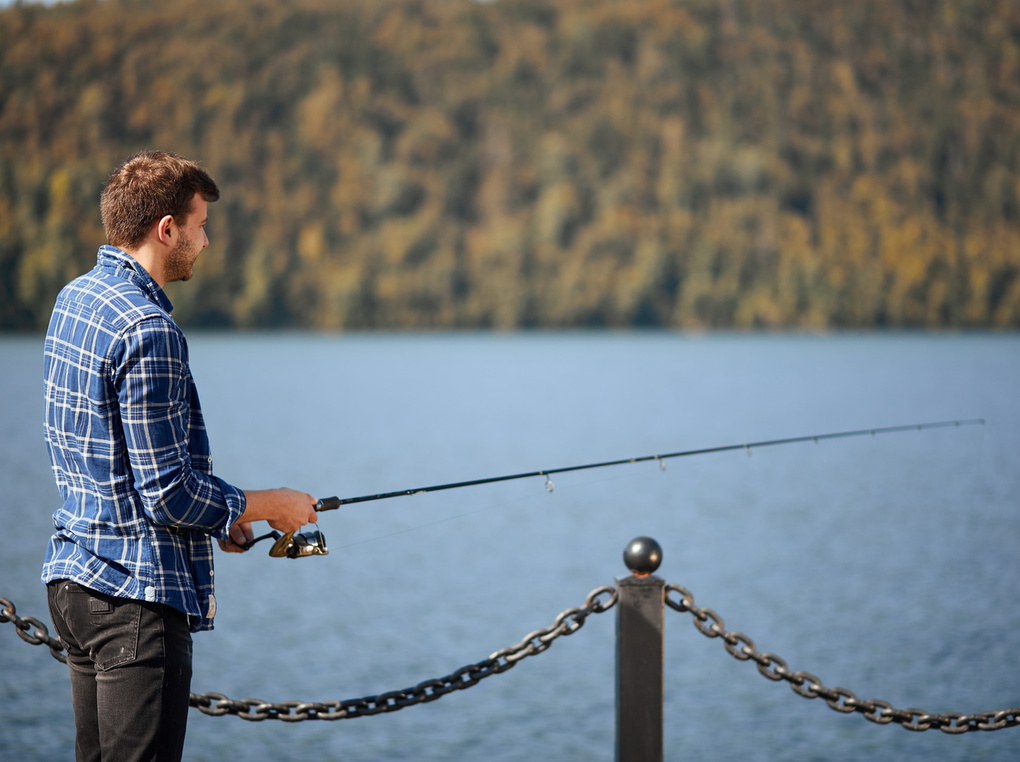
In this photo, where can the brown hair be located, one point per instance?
(146, 188)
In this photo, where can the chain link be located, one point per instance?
(742, 648)
(40, 637)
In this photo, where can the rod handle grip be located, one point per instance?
(327, 504)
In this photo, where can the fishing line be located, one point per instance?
(332, 503)
(405, 530)
(426, 525)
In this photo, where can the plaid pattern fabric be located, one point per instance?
(128, 446)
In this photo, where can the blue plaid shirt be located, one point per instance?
(128, 446)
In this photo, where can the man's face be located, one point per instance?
(180, 261)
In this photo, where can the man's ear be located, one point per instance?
(165, 230)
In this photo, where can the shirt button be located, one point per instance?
(150, 593)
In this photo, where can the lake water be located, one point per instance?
(886, 565)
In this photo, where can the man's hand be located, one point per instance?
(240, 534)
(286, 510)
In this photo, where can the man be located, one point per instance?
(129, 569)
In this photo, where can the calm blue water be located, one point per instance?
(885, 565)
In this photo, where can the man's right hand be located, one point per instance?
(285, 509)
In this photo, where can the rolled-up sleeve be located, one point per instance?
(153, 385)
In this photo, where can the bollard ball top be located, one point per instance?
(642, 556)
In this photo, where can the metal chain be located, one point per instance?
(567, 623)
(216, 704)
(742, 648)
(738, 645)
(41, 636)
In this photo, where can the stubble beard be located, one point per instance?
(180, 262)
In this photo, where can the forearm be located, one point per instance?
(200, 502)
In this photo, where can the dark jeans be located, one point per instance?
(130, 674)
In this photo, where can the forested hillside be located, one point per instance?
(525, 163)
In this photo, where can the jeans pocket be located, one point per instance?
(114, 624)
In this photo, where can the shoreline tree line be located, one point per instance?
(428, 164)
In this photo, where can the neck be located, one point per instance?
(148, 258)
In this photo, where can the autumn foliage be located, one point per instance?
(782, 164)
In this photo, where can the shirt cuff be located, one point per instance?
(236, 504)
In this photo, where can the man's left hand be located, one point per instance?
(240, 535)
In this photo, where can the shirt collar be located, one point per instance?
(129, 268)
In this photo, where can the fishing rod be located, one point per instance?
(332, 503)
(293, 545)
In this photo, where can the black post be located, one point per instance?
(639, 654)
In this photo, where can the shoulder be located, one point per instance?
(116, 299)
(106, 298)
(112, 317)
